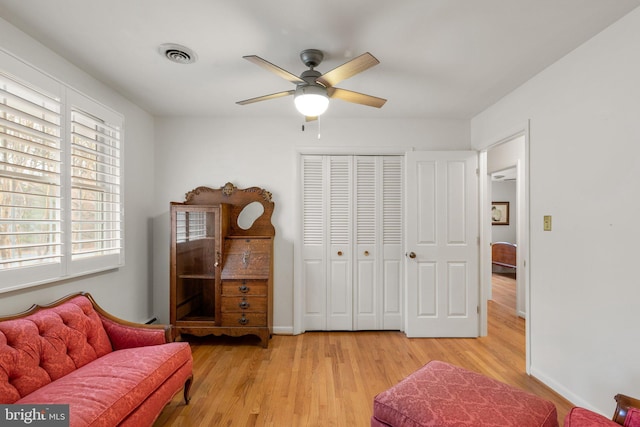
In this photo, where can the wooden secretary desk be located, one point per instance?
(222, 263)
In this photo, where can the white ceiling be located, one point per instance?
(439, 58)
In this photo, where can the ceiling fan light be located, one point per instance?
(311, 101)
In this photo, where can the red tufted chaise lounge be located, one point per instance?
(441, 395)
(109, 371)
(627, 414)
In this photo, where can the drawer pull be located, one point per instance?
(244, 289)
(243, 320)
(244, 304)
(339, 253)
(366, 253)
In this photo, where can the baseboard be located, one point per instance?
(564, 392)
(283, 330)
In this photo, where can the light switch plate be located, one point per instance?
(547, 223)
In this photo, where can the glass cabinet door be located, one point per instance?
(195, 256)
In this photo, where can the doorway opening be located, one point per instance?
(504, 242)
(505, 186)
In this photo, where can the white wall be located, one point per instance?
(506, 155)
(124, 292)
(263, 152)
(584, 170)
(505, 191)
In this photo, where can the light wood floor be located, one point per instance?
(503, 289)
(331, 378)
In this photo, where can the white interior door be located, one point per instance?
(441, 244)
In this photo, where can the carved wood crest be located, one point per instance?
(237, 199)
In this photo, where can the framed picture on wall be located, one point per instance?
(499, 213)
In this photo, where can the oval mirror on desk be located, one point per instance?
(250, 214)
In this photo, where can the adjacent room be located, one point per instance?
(317, 212)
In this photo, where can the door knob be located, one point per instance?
(412, 255)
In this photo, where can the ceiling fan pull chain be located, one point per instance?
(318, 127)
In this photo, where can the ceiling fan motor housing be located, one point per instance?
(311, 57)
(310, 76)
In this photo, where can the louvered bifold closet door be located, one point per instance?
(378, 243)
(314, 266)
(327, 240)
(392, 272)
(352, 242)
(367, 299)
(340, 283)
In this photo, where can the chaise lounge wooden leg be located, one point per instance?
(187, 389)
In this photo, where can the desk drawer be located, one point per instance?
(244, 319)
(244, 287)
(244, 304)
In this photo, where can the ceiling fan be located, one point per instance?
(313, 89)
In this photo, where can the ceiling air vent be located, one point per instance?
(177, 53)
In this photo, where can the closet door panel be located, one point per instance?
(367, 295)
(391, 241)
(339, 287)
(315, 295)
(314, 263)
(392, 292)
(366, 299)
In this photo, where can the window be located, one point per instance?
(60, 180)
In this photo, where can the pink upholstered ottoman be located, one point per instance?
(440, 395)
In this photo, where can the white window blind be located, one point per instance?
(30, 176)
(197, 225)
(61, 210)
(181, 227)
(190, 225)
(95, 186)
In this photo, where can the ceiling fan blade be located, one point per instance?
(273, 68)
(356, 97)
(266, 97)
(348, 69)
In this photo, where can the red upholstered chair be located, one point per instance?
(627, 414)
(441, 395)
